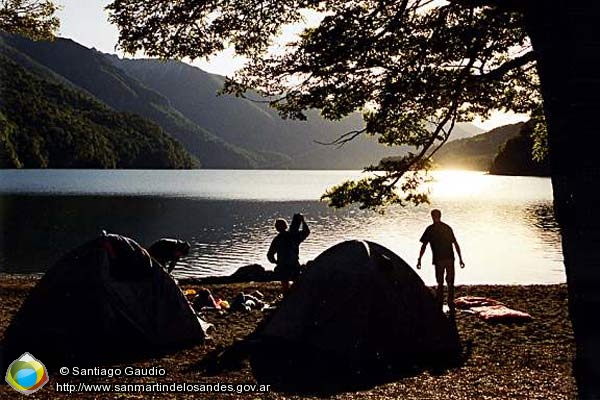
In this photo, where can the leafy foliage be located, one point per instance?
(47, 125)
(539, 134)
(32, 18)
(403, 63)
(515, 156)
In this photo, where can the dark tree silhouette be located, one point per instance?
(515, 156)
(411, 64)
(32, 18)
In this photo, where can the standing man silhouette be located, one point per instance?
(441, 237)
(285, 248)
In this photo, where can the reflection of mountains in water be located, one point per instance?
(227, 234)
(224, 234)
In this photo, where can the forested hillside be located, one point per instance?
(515, 157)
(219, 131)
(254, 125)
(48, 125)
(92, 72)
(476, 152)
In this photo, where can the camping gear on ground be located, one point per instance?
(358, 312)
(466, 302)
(258, 294)
(205, 300)
(247, 302)
(223, 304)
(103, 299)
(501, 313)
(490, 310)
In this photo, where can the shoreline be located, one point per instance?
(527, 360)
(224, 279)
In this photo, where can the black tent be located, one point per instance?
(358, 311)
(103, 299)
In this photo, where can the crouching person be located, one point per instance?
(168, 252)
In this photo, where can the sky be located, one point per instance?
(86, 22)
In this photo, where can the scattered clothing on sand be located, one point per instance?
(490, 310)
(205, 300)
(500, 313)
(466, 302)
(222, 304)
(248, 302)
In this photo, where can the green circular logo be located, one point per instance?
(26, 374)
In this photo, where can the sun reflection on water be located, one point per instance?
(505, 225)
(457, 183)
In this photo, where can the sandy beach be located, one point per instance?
(530, 360)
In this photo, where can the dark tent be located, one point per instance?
(359, 311)
(104, 299)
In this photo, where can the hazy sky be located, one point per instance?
(86, 22)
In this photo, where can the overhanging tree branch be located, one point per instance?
(404, 61)
(517, 62)
(344, 138)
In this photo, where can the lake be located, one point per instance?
(505, 225)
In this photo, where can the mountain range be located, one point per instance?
(182, 100)
(476, 152)
(45, 123)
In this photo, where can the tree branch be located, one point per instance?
(508, 66)
(343, 139)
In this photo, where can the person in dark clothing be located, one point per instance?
(441, 238)
(285, 248)
(169, 251)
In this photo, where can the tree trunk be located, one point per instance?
(566, 38)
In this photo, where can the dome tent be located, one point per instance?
(358, 312)
(105, 299)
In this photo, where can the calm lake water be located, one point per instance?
(505, 225)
